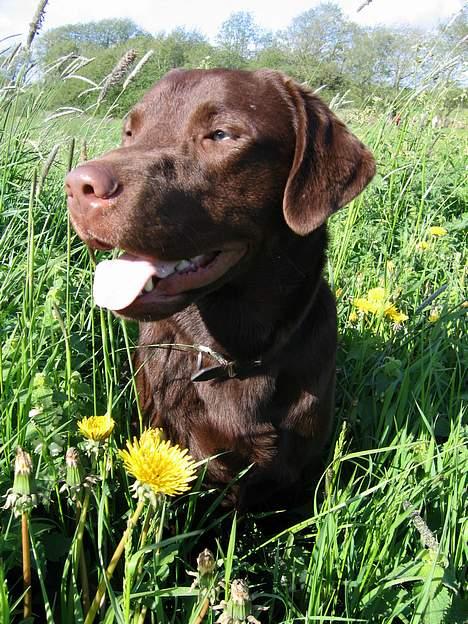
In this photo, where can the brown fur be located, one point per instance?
(291, 165)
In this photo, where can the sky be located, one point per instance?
(208, 15)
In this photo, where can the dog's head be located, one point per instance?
(211, 164)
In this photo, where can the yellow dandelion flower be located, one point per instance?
(377, 302)
(353, 317)
(395, 315)
(97, 428)
(437, 230)
(366, 306)
(376, 295)
(164, 467)
(422, 246)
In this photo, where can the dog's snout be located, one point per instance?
(91, 186)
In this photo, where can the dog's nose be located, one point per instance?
(91, 186)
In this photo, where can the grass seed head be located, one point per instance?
(37, 22)
(118, 74)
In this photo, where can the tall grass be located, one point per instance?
(383, 537)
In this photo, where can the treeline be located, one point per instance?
(92, 62)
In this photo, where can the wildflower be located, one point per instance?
(96, 428)
(376, 295)
(74, 475)
(377, 303)
(353, 317)
(395, 315)
(75, 481)
(238, 609)
(22, 497)
(205, 578)
(206, 563)
(374, 302)
(160, 468)
(434, 315)
(422, 246)
(365, 305)
(437, 230)
(163, 467)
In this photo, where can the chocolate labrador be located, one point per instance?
(218, 198)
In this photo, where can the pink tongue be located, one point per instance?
(117, 283)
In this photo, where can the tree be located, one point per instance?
(369, 59)
(73, 38)
(320, 34)
(450, 46)
(239, 36)
(319, 40)
(455, 30)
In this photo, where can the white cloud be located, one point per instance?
(416, 13)
(207, 15)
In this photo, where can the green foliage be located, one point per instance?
(239, 35)
(320, 47)
(383, 536)
(74, 38)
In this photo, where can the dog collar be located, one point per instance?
(229, 370)
(225, 369)
(232, 369)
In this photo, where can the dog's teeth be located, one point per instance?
(183, 265)
(164, 269)
(197, 260)
(148, 287)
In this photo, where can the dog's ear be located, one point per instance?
(330, 166)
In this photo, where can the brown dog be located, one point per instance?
(219, 196)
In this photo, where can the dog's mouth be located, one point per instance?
(132, 280)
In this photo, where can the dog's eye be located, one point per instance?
(220, 135)
(128, 133)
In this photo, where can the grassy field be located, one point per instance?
(384, 537)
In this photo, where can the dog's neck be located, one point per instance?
(263, 307)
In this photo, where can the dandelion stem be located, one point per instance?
(146, 526)
(142, 615)
(144, 534)
(27, 611)
(141, 610)
(79, 556)
(113, 563)
(203, 611)
(84, 581)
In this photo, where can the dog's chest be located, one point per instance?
(209, 418)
